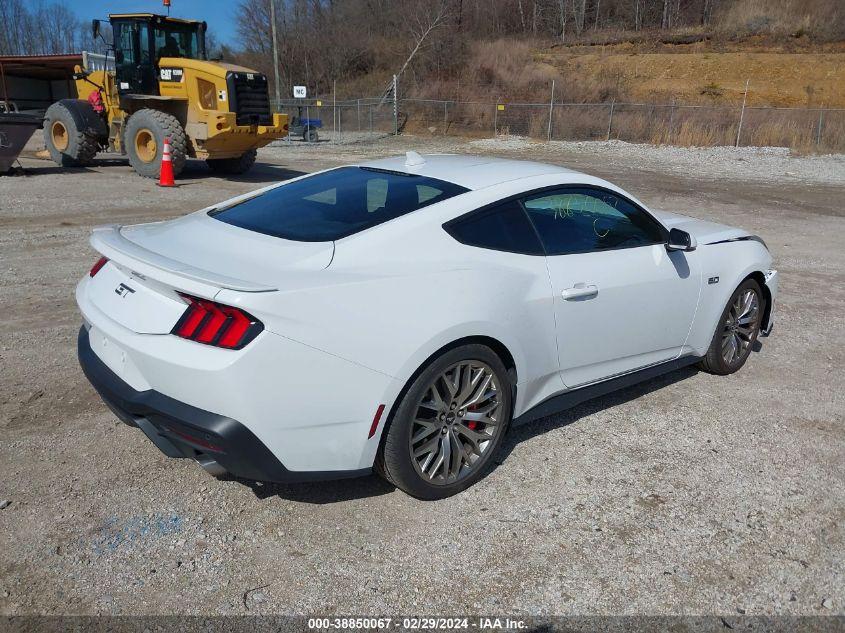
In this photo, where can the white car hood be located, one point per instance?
(703, 231)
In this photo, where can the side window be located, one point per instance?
(580, 220)
(144, 40)
(376, 194)
(125, 53)
(502, 228)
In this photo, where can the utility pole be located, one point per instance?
(275, 52)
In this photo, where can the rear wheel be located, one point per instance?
(310, 135)
(449, 424)
(238, 165)
(68, 145)
(736, 331)
(144, 142)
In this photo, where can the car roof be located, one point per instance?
(472, 172)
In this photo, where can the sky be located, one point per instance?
(219, 14)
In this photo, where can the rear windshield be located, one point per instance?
(336, 203)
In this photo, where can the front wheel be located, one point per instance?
(449, 424)
(144, 141)
(736, 331)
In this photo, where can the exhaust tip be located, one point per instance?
(210, 466)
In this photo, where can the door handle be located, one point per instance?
(580, 291)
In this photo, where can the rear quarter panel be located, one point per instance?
(396, 294)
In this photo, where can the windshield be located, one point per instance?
(336, 203)
(177, 40)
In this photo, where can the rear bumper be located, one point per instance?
(224, 138)
(180, 430)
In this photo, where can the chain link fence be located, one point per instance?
(349, 120)
(352, 120)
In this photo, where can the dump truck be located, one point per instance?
(163, 85)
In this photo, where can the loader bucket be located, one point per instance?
(15, 131)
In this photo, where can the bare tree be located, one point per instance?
(562, 14)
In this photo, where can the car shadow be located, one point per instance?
(260, 173)
(194, 170)
(373, 485)
(319, 492)
(522, 432)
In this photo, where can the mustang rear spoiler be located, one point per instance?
(109, 241)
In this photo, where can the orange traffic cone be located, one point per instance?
(165, 178)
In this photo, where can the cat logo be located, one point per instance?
(171, 74)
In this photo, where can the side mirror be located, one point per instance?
(95, 28)
(680, 241)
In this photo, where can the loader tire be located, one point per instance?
(239, 165)
(144, 142)
(68, 145)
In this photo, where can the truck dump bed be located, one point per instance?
(15, 130)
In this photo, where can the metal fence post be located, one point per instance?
(495, 119)
(359, 115)
(671, 121)
(334, 107)
(610, 119)
(308, 127)
(445, 112)
(551, 111)
(371, 119)
(742, 113)
(819, 133)
(395, 106)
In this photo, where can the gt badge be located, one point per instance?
(123, 290)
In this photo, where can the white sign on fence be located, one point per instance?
(299, 92)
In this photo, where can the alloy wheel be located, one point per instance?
(740, 326)
(457, 420)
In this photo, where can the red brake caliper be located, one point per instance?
(472, 424)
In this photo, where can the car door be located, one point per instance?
(622, 302)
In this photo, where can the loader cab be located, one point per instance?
(142, 39)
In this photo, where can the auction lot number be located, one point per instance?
(412, 624)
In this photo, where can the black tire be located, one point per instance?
(239, 165)
(310, 135)
(395, 462)
(156, 125)
(68, 145)
(727, 328)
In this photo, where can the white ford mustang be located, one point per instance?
(402, 313)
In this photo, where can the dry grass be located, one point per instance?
(817, 19)
(690, 127)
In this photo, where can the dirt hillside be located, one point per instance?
(803, 79)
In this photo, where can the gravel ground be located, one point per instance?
(690, 494)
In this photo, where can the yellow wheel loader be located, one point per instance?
(163, 86)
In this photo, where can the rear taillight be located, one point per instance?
(96, 267)
(214, 324)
